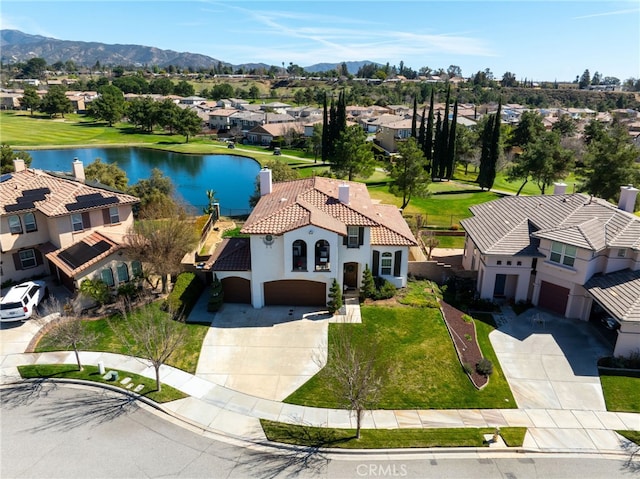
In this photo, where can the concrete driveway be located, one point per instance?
(268, 352)
(550, 361)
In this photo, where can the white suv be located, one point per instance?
(22, 300)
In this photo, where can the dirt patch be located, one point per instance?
(465, 340)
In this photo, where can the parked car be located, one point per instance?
(277, 152)
(610, 323)
(22, 300)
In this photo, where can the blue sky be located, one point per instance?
(542, 40)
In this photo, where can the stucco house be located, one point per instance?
(63, 225)
(563, 252)
(303, 234)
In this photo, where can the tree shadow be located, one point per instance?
(632, 463)
(292, 462)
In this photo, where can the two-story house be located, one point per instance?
(63, 225)
(562, 252)
(303, 234)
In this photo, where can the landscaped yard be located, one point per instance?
(387, 438)
(185, 357)
(426, 373)
(621, 393)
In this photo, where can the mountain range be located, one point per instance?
(17, 46)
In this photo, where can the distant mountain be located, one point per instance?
(352, 67)
(19, 47)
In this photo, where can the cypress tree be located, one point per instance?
(341, 114)
(325, 130)
(435, 162)
(444, 139)
(451, 150)
(483, 171)
(428, 139)
(333, 129)
(421, 131)
(414, 119)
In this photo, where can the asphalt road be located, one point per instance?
(56, 431)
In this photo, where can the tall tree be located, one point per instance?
(422, 131)
(55, 102)
(490, 150)
(444, 138)
(609, 163)
(325, 130)
(353, 156)
(108, 174)
(529, 128)
(428, 139)
(414, 118)
(30, 98)
(565, 126)
(157, 189)
(188, 123)
(585, 80)
(7, 155)
(408, 173)
(109, 106)
(436, 157)
(451, 148)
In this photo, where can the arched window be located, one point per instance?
(323, 259)
(30, 222)
(107, 276)
(14, 224)
(136, 268)
(299, 255)
(123, 273)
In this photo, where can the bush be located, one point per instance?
(368, 289)
(128, 290)
(216, 295)
(484, 367)
(96, 289)
(335, 295)
(185, 293)
(466, 318)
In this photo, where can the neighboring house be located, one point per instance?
(219, 119)
(63, 225)
(245, 120)
(303, 234)
(562, 252)
(265, 134)
(389, 134)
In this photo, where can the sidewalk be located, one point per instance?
(218, 409)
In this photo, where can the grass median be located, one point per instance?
(387, 438)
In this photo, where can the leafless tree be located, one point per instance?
(160, 239)
(430, 241)
(353, 372)
(69, 330)
(150, 333)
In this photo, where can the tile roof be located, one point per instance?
(618, 292)
(84, 253)
(232, 254)
(61, 197)
(314, 201)
(512, 225)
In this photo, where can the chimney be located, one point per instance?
(18, 164)
(628, 198)
(559, 188)
(78, 169)
(343, 193)
(265, 181)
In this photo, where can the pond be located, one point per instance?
(231, 177)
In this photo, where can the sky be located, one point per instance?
(539, 40)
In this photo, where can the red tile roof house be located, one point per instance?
(303, 234)
(63, 225)
(564, 253)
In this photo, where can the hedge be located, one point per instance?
(186, 291)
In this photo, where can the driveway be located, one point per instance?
(268, 352)
(550, 361)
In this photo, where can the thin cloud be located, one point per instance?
(608, 14)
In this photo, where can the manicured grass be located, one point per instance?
(455, 242)
(621, 393)
(386, 438)
(108, 340)
(631, 435)
(90, 373)
(427, 374)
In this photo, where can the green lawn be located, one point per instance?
(631, 435)
(621, 393)
(387, 438)
(185, 358)
(90, 373)
(427, 374)
(456, 242)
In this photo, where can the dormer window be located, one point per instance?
(563, 254)
(355, 237)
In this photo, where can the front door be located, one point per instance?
(498, 289)
(350, 276)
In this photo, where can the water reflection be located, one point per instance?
(231, 177)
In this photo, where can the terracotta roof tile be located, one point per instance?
(57, 257)
(232, 254)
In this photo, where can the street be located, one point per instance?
(56, 431)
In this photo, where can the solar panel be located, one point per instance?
(92, 202)
(37, 192)
(5, 177)
(81, 253)
(28, 198)
(20, 206)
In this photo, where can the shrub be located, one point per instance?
(335, 295)
(467, 336)
(216, 295)
(484, 367)
(185, 293)
(368, 289)
(466, 318)
(467, 368)
(128, 290)
(96, 289)
(384, 289)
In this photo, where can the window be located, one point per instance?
(622, 253)
(386, 263)
(123, 273)
(114, 215)
(519, 263)
(499, 262)
(76, 222)
(136, 268)
(107, 276)
(353, 236)
(28, 259)
(508, 263)
(30, 222)
(299, 255)
(563, 254)
(14, 224)
(322, 256)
